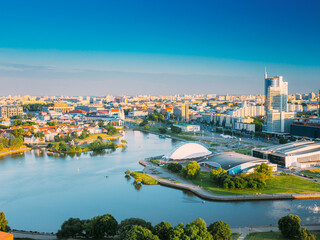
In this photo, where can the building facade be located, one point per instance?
(278, 119)
(10, 111)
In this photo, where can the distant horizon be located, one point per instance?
(158, 48)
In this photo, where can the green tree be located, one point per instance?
(162, 130)
(163, 230)
(30, 115)
(174, 167)
(143, 123)
(126, 224)
(5, 142)
(16, 123)
(195, 232)
(72, 228)
(53, 123)
(1, 146)
(200, 222)
(100, 123)
(39, 135)
(101, 226)
(3, 223)
(127, 172)
(264, 169)
(290, 226)
(283, 140)
(137, 233)
(175, 130)
(18, 132)
(220, 230)
(192, 170)
(67, 138)
(178, 233)
(62, 146)
(306, 235)
(15, 142)
(74, 135)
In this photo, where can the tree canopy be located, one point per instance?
(290, 226)
(220, 230)
(192, 170)
(3, 223)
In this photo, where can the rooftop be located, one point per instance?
(228, 160)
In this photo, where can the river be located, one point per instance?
(39, 191)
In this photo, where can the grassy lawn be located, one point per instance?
(312, 173)
(273, 236)
(278, 184)
(145, 178)
(155, 161)
(235, 236)
(246, 151)
(95, 136)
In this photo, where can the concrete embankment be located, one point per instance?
(183, 184)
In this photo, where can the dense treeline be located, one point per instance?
(190, 171)
(256, 180)
(12, 143)
(64, 148)
(99, 145)
(135, 229)
(19, 122)
(34, 107)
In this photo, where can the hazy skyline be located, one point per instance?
(167, 47)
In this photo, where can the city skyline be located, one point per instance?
(157, 48)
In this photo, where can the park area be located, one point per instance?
(273, 236)
(275, 185)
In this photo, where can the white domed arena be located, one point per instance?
(187, 151)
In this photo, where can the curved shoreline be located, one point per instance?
(203, 194)
(15, 151)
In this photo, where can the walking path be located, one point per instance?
(40, 236)
(20, 150)
(169, 179)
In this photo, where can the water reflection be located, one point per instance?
(137, 186)
(127, 177)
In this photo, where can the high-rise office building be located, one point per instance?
(278, 119)
(276, 93)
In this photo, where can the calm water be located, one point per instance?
(38, 192)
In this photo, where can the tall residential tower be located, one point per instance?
(278, 119)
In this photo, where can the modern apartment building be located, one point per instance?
(10, 111)
(182, 112)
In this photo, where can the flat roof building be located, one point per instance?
(232, 162)
(300, 154)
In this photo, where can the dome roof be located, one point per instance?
(188, 150)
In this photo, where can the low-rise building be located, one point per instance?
(188, 127)
(302, 154)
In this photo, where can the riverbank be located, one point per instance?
(14, 151)
(169, 179)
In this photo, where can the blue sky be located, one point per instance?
(157, 47)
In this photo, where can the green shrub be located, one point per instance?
(174, 167)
